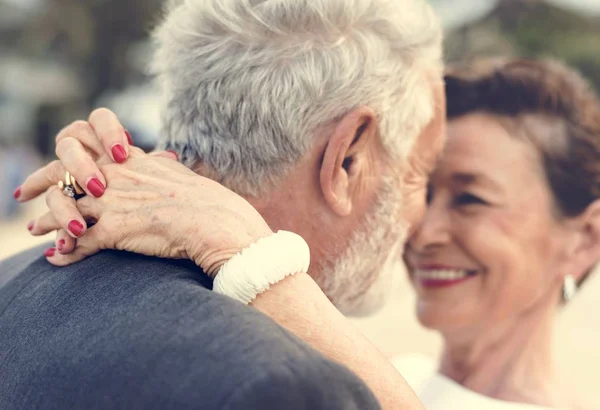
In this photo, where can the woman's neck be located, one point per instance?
(512, 361)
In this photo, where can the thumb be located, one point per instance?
(87, 246)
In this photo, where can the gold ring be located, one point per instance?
(70, 187)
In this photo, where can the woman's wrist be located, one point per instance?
(212, 256)
(264, 263)
(234, 225)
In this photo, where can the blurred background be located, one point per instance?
(59, 59)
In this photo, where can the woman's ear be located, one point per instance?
(343, 159)
(586, 252)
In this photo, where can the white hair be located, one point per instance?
(359, 281)
(248, 84)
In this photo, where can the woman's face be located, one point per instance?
(490, 247)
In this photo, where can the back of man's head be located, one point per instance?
(249, 83)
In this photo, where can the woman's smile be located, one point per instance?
(441, 276)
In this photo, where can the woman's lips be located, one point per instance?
(442, 276)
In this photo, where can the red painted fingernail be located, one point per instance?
(17, 192)
(129, 139)
(96, 187)
(48, 253)
(119, 153)
(61, 245)
(30, 226)
(174, 153)
(75, 227)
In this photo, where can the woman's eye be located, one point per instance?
(468, 199)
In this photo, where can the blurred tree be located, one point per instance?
(118, 24)
(90, 42)
(531, 28)
(93, 36)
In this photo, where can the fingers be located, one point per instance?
(111, 133)
(65, 212)
(86, 246)
(76, 159)
(39, 182)
(43, 225)
(79, 146)
(64, 243)
(83, 132)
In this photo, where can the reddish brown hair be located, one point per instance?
(530, 93)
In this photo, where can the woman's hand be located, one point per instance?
(150, 204)
(78, 147)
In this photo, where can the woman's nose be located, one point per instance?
(432, 231)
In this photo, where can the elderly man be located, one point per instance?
(326, 116)
(309, 110)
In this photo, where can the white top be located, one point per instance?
(438, 392)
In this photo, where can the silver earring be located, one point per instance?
(569, 288)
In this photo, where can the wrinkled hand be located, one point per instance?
(147, 204)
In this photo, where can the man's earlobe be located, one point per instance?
(342, 158)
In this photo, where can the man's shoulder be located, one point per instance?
(121, 330)
(113, 278)
(110, 264)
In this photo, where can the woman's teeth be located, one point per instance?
(442, 274)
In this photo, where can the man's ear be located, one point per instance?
(344, 158)
(586, 252)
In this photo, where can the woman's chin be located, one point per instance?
(435, 316)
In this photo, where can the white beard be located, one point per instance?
(360, 281)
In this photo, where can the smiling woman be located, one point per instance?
(513, 221)
(490, 219)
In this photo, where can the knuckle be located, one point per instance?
(111, 171)
(62, 144)
(82, 205)
(61, 133)
(78, 128)
(98, 114)
(66, 146)
(73, 130)
(70, 149)
(55, 165)
(53, 185)
(51, 190)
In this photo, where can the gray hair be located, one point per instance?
(248, 84)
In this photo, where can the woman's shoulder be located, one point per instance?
(438, 392)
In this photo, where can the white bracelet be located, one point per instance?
(264, 263)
